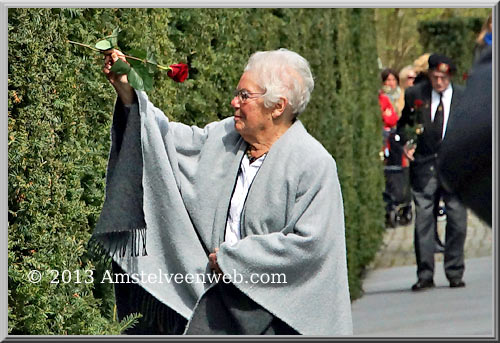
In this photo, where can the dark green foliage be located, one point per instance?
(455, 38)
(60, 107)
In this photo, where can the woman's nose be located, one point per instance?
(235, 103)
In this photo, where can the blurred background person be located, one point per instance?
(421, 67)
(484, 39)
(407, 77)
(391, 88)
(397, 194)
(387, 97)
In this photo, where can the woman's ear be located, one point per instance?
(280, 107)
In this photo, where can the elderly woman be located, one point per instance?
(253, 200)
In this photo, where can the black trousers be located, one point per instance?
(223, 310)
(426, 224)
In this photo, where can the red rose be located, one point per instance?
(178, 72)
(418, 103)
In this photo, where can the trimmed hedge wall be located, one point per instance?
(59, 116)
(455, 38)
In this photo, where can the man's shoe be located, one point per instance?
(457, 283)
(422, 284)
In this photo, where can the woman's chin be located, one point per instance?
(238, 125)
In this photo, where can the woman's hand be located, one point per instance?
(409, 151)
(212, 259)
(387, 112)
(118, 81)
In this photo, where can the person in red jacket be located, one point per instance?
(397, 195)
(387, 98)
(389, 115)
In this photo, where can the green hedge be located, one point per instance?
(60, 107)
(455, 38)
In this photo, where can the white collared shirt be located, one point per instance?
(246, 175)
(447, 94)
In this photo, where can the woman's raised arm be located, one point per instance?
(118, 81)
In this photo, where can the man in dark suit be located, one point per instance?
(428, 108)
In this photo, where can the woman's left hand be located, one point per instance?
(212, 259)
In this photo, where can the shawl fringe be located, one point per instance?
(157, 318)
(117, 243)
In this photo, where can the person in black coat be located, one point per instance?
(429, 106)
(465, 163)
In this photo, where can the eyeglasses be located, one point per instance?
(411, 77)
(244, 95)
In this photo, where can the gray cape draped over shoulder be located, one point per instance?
(173, 183)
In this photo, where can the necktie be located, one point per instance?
(439, 119)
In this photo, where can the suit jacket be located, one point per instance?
(416, 123)
(465, 159)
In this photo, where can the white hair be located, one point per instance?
(282, 73)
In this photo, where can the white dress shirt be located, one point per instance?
(447, 94)
(246, 175)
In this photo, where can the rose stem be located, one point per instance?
(127, 56)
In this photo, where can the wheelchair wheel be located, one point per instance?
(409, 216)
(405, 215)
(391, 219)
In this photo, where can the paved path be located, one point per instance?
(389, 308)
(397, 247)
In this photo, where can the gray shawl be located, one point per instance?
(173, 183)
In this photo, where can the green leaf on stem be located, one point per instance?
(135, 80)
(151, 58)
(114, 36)
(104, 44)
(139, 78)
(134, 63)
(138, 53)
(120, 67)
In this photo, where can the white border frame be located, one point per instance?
(6, 4)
